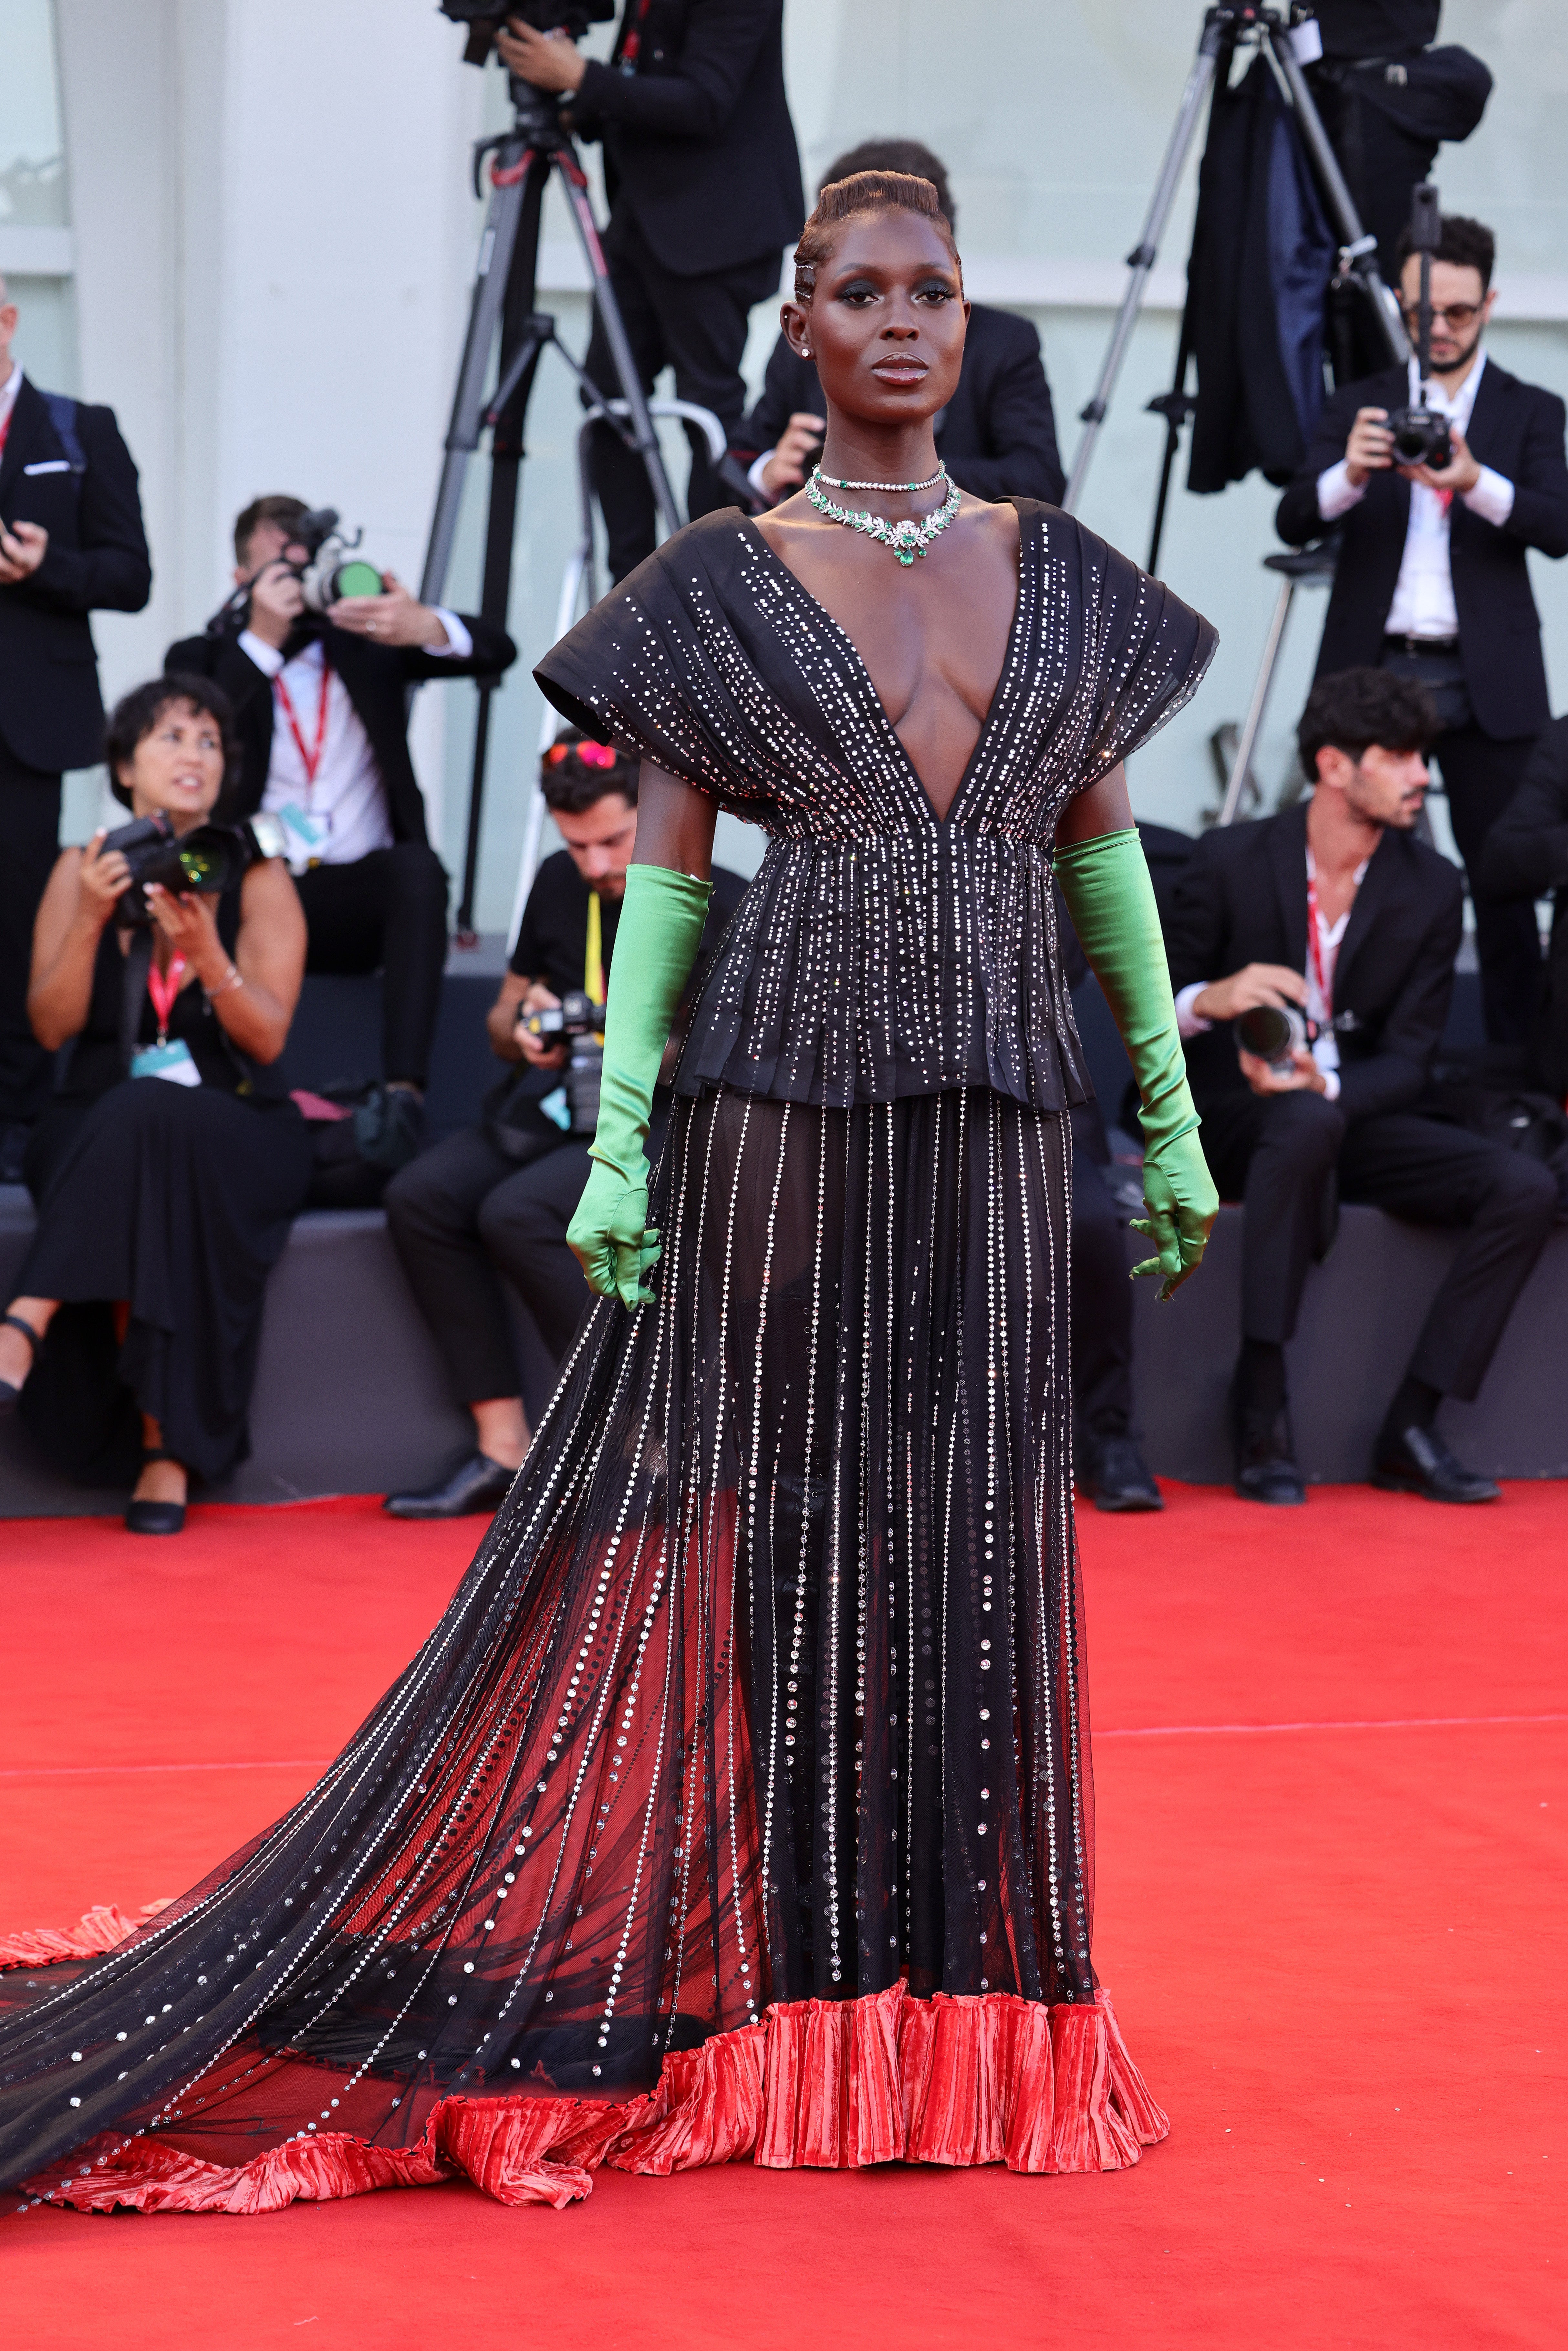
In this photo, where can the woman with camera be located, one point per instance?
(739, 1804)
(167, 1169)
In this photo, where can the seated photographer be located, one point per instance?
(166, 1171)
(320, 707)
(497, 1198)
(1432, 581)
(1526, 858)
(997, 436)
(1334, 923)
(705, 193)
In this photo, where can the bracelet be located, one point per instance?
(233, 977)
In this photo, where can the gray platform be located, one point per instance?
(350, 1398)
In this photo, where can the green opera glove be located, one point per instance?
(656, 942)
(1111, 899)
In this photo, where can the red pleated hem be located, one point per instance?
(834, 2084)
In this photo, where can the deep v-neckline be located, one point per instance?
(911, 772)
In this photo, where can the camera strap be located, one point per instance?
(138, 970)
(310, 761)
(593, 957)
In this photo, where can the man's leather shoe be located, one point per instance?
(477, 1484)
(1265, 1455)
(1416, 1460)
(1118, 1478)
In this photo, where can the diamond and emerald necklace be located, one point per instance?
(907, 538)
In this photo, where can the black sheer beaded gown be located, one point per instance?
(739, 1804)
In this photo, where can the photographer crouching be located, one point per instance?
(1323, 940)
(704, 179)
(320, 703)
(165, 1174)
(496, 1200)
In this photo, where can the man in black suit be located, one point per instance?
(1526, 858)
(71, 543)
(997, 436)
(1432, 579)
(1338, 910)
(703, 177)
(319, 704)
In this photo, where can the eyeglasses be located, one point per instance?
(1457, 315)
(591, 754)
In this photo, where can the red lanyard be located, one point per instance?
(632, 46)
(1316, 949)
(309, 761)
(163, 986)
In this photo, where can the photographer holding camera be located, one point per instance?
(166, 1172)
(497, 1198)
(1433, 582)
(703, 179)
(320, 703)
(1335, 929)
(997, 436)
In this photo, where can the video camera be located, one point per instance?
(485, 20)
(1421, 433)
(210, 858)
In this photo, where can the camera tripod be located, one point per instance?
(1287, 36)
(505, 284)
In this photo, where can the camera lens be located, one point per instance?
(1269, 1032)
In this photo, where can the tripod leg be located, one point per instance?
(1253, 728)
(645, 439)
(495, 250)
(519, 340)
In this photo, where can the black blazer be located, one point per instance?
(1515, 428)
(375, 676)
(1526, 856)
(698, 144)
(1242, 898)
(51, 713)
(997, 435)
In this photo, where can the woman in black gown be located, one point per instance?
(739, 1804)
(166, 1172)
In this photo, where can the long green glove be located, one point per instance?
(656, 942)
(1111, 899)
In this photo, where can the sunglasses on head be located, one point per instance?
(591, 754)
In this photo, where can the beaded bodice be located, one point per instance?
(880, 950)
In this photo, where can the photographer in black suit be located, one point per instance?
(1432, 579)
(71, 543)
(1337, 909)
(997, 436)
(319, 708)
(704, 179)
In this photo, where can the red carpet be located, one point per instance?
(1334, 1942)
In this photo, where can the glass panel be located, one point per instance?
(32, 142)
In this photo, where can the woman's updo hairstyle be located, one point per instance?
(866, 192)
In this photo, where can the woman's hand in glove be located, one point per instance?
(610, 1238)
(1179, 1195)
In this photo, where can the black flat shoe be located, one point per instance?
(10, 1394)
(1264, 1451)
(1118, 1478)
(477, 1484)
(1417, 1461)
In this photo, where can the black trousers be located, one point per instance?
(1480, 778)
(1277, 1155)
(464, 1212)
(697, 326)
(385, 912)
(29, 844)
(1101, 1318)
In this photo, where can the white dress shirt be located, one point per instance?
(1325, 1044)
(345, 804)
(1423, 603)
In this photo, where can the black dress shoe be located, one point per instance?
(1118, 1478)
(1416, 1460)
(155, 1517)
(1264, 1452)
(477, 1484)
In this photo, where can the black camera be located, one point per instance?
(330, 568)
(485, 19)
(1274, 1032)
(1420, 437)
(578, 1020)
(212, 858)
(575, 1015)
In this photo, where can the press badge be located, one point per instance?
(171, 1060)
(307, 834)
